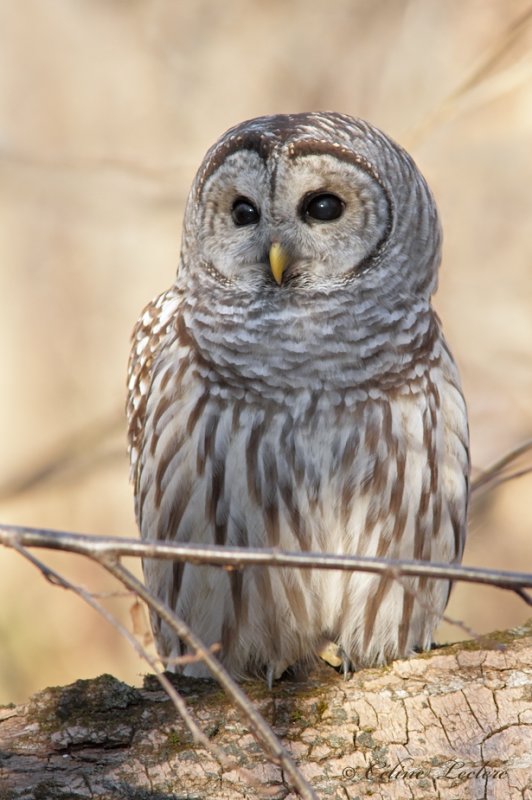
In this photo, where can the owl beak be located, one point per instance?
(278, 261)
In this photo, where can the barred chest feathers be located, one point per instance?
(370, 472)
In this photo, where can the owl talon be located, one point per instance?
(347, 667)
(269, 676)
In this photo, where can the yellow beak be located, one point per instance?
(278, 261)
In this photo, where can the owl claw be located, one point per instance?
(270, 673)
(275, 671)
(346, 664)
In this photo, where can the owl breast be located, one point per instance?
(366, 472)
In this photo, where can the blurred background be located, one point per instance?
(106, 110)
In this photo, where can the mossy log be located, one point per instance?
(454, 723)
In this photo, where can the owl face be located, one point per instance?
(326, 216)
(305, 201)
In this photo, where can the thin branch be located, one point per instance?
(463, 626)
(99, 547)
(495, 474)
(258, 724)
(79, 451)
(135, 169)
(478, 74)
(524, 595)
(107, 551)
(58, 580)
(198, 735)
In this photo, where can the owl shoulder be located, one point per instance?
(151, 332)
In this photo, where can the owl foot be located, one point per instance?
(347, 667)
(274, 672)
(336, 656)
(269, 676)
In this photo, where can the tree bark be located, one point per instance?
(454, 723)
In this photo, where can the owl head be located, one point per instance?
(311, 202)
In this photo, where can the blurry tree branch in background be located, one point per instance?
(83, 451)
(480, 83)
(505, 469)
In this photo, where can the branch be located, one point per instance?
(58, 580)
(99, 547)
(108, 551)
(476, 77)
(259, 727)
(81, 451)
(499, 472)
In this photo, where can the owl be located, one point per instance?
(293, 389)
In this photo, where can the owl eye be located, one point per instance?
(244, 212)
(324, 207)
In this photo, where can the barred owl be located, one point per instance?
(293, 389)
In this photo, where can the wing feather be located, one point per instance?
(155, 325)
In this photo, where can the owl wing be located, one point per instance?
(155, 325)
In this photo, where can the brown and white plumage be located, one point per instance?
(307, 404)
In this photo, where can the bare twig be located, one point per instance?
(498, 472)
(80, 452)
(136, 169)
(108, 550)
(258, 724)
(463, 626)
(477, 75)
(100, 547)
(58, 580)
